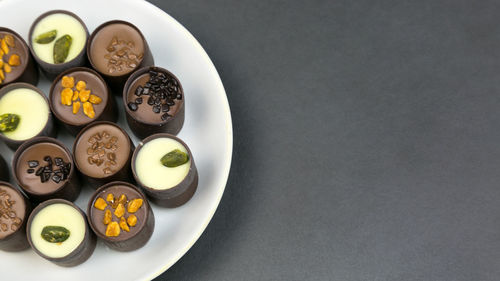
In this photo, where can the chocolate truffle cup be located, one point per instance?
(176, 195)
(27, 72)
(116, 81)
(142, 128)
(77, 256)
(51, 70)
(69, 190)
(49, 129)
(16, 241)
(4, 170)
(123, 174)
(146, 223)
(107, 113)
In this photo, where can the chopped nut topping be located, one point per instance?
(7, 214)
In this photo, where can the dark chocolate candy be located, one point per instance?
(49, 129)
(41, 185)
(159, 113)
(177, 195)
(52, 70)
(13, 228)
(81, 253)
(104, 111)
(139, 234)
(25, 72)
(94, 173)
(101, 39)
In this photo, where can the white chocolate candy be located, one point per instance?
(32, 109)
(63, 24)
(58, 214)
(151, 171)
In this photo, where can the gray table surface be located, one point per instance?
(366, 141)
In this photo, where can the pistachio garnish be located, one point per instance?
(174, 158)
(55, 234)
(61, 48)
(46, 37)
(9, 122)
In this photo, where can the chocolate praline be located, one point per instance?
(102, 152)
(14, 211)
(26, 71)
(138, 235)
(116, 49)
(39, 171)
(84, 249)
(51, 70)
(179, 193)
(143, 119)
(104, 111)
(4, 170)
(48, 130)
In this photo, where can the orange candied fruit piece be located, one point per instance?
(132, 220)
(120, 211)
(4, 46)
(134, 205)
(88, 109)
(100, 204)
(66, 96)
(9, 39)
(107, 217)
(7, 68)
(123, 224)
(113, 229)
(95, 99)
(68, 82)
(14, 60)
(80, 86)
(110, 198)
(76, 107)
(84, 95)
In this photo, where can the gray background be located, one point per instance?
(366, 142)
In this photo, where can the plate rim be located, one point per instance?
(228, 137)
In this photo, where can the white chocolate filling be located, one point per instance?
(64, 24)
(151, 172)
(32, 109)
(58, 214)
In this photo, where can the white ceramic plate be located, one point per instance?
(207, 130)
